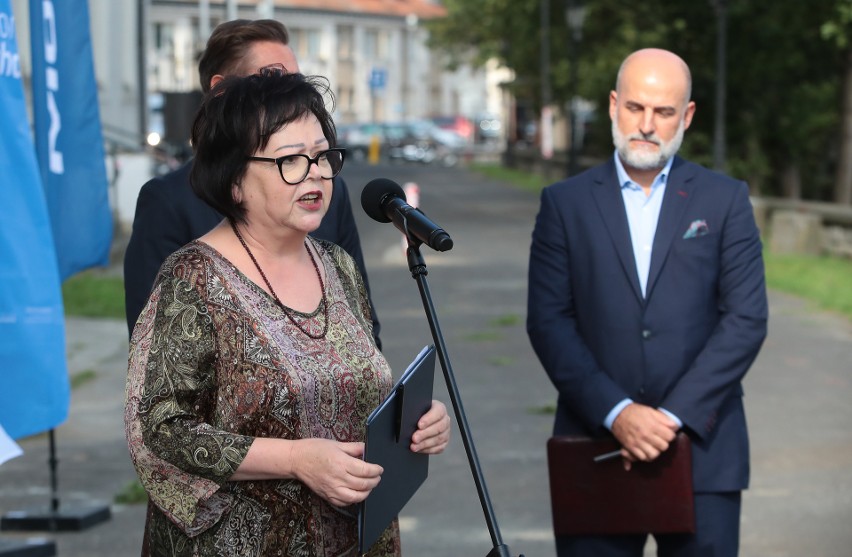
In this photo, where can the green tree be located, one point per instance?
(507, 30)
(784, 77)
(783, 97)
(838, 30)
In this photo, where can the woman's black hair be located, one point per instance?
(236, 120)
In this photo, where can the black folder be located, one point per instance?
(389, 431)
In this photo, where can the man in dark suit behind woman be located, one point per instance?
(168, 213)
(647, 305)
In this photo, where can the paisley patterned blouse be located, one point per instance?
(214, 362)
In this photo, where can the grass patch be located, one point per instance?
(501, 361)
(543, 410)
(132, 494)
(527, 181)
(94, 294)
(825, 281)
(85, 376)
(509, 320)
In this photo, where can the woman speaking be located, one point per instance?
(253, 369)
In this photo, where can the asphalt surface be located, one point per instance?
(797, 399)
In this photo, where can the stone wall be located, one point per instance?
(804, 227)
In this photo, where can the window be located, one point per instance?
(305, 43)
(377, 44)
(345, 42)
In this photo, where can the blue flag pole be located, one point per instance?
(68, 136)
(59, 223)
(34, 390)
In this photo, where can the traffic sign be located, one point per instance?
(378, 78)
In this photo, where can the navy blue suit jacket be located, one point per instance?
(685, 346)
(170, 215)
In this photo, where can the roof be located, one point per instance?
(426, 9)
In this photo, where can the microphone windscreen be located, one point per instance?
(375, 193)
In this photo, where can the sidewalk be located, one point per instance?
(797, 399)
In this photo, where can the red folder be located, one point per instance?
(601, 498)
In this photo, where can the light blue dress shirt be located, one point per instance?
(643, 212)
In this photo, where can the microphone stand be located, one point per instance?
(417, 266)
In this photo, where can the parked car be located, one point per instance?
(423, 142)
(417, 141)
(488, 128)
(356, 138)
(458, 124)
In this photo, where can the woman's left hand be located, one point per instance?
(433, 430)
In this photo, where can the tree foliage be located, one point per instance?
(786, 62)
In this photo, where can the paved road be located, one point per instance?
(797, 398)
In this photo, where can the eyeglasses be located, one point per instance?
(294, 168)
(272, 69)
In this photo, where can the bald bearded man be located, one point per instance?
(647, 305)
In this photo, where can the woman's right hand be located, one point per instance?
(333, 470)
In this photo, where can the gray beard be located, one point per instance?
(646, 160)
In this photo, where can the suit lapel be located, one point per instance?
(607, 194)
(678, 193)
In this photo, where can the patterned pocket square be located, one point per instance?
(696, 228)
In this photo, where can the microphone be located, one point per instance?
(384, 201)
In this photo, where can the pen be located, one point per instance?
(607, 456)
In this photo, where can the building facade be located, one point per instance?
(374, 53)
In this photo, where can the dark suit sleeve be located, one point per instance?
(347, 237)
(717, 371)
(552, 324)
(154, 237)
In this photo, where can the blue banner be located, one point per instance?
(69, 143)
(34, 390)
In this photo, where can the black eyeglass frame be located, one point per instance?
(311, 160)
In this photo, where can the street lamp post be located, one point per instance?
(142, 64)
(575, 14)
(719, 155)
(545, 126)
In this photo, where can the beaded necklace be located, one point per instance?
(287, 311)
